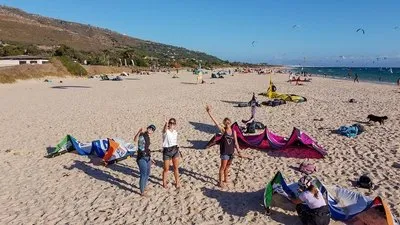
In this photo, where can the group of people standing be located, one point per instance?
(311, 206)
(172, 154)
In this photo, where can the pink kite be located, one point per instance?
(298, 145)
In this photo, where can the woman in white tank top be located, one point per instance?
(310, 204)
(170, 151)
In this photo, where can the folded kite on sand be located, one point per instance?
(110, 150)
(273, 94)
(344, 205)
(298, 145)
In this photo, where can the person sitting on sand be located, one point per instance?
(251, 123)
(298, 80)
(170, 151)
(143, 156)
(227, 147)
(315, 210)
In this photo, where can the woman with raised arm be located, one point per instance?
(143, 159)
(170, 151)
(227, 147)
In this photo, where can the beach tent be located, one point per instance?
(298, 145)
(110, 150)
(344, 205)
(273, 94)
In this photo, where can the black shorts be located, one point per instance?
(319, 216)
(171, 153)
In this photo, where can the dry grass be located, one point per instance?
(53, 69)
(94, 70)
(24, 72)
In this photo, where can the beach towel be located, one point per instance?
(273, 103)
(351, 131)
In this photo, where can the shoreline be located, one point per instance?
(344, 78)
(41, 114)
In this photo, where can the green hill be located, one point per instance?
(25, 33)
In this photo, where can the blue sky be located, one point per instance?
(325, 29)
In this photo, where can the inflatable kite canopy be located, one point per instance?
(298, 145)
(273, 94)
(110, 150)
(344, 205)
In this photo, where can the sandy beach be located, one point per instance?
(74, 189)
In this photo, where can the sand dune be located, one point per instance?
(77, 190)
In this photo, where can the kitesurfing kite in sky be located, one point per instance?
(252, 43)
(360, 29)
(296, 26)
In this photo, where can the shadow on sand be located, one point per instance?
(68, 87)
(283, 203)
(100, 175)
(196, 144)
(188, 83)
(206, 128)
(105, 176)
(233, 102)
(362, 122)
(50, 149)
(237, 203)
(190, 173)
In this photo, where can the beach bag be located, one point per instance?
(364, 182)
(243, 104)
(259, 126)
(307, 168)
(251, 128)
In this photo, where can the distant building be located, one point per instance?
(150, 58)
(21, 60)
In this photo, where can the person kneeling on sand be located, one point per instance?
(227, 147)
(315, 211)
(170, 151)
(143, 159)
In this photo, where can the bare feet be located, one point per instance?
(178, 185)
(165, 186)
(221, 185)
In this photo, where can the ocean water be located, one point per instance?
(386, 75)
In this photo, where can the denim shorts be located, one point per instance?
(171, 153)
(227, 157)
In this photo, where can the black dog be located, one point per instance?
(380, 119)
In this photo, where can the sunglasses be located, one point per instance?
(172, 123)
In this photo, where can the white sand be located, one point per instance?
(76, 190)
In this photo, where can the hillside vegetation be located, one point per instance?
(24, 33)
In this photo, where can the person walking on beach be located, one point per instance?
(227, 147)
(315, 210)
(143, 159)
(356, 78)
(170, 151)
